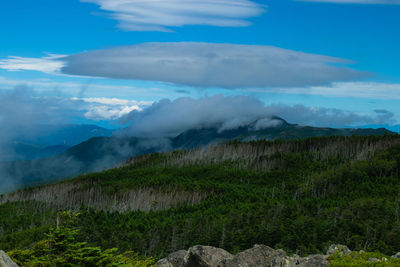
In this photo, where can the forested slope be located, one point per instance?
(101, 153)
(300, 195)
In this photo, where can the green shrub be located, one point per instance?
(61, 248)
(362, 259)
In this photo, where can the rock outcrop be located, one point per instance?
(174, 259)
(341, 249)
(396, 256)
(5, 261)
(258, 256)
(204, 256)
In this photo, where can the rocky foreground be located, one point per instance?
(258, 256)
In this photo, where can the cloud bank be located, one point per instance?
(212, 65)
(369, 90)
(170, 118)
(156, 15)
(22, 109)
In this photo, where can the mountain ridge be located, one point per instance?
(100, 153)
(46, 140)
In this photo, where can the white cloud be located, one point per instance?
(109, 112)
(101, 108)
(50, 64)
(161, 15)
(375, 2)
(212, 65)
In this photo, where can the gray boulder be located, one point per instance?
(342, 249)
(259, 255)
(176, 259)
(205, 256)
(5, 261)
(264, 256)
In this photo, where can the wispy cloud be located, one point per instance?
(159, 15)
(113, 101)
(50, 64)
(374, 2)
(212, 65)
(72, 87)
(369, 90)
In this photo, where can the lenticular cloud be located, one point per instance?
(212, 65)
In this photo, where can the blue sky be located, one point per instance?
(323, 55)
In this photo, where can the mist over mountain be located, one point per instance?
(100, 153)
(17, 151)
(172, 117)
(275, 128)
(45, 140)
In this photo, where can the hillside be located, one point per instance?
(280, 129)
(100, 153)
(300, 195)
